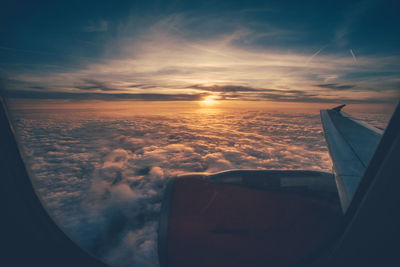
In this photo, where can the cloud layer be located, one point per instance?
(102, 175)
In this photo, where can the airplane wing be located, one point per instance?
(351, 144)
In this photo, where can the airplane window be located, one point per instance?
(180, 134)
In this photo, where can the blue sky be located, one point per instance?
(311, 51)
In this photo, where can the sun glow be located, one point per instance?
(209, 100)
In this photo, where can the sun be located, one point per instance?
(209, 100)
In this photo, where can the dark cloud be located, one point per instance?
(228, 94)
(39, 88)
(143, 86)
(336, 86)
(302, 97)
(247, 93)
(94, 85)
(230, 88)
(101, 96)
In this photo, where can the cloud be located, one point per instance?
(102, 175)
(224, 93)
(94, 85)
(166, 60)
(39, 88)
(100, 96)
(230, 88)
(143, 86)
(335, 86)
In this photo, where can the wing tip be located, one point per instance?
(339, 108)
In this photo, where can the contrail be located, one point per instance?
(315, 54)
(354, 56)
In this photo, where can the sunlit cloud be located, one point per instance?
(102, 177)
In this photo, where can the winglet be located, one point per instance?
(339, 108)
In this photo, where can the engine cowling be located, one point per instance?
(247, 218)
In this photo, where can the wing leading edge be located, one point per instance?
(351, 146)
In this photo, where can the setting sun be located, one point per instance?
(209, 100)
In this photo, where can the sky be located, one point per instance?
(292, 51)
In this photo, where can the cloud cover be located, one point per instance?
(102, 175)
